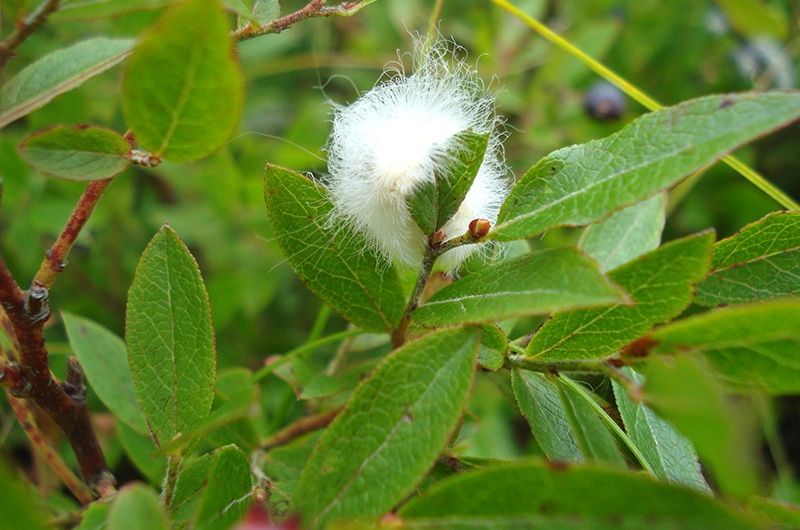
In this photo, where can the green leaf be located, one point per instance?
(333, 261)
(593, 437)
(394, 427)
(584, 183)
(183, 89)
(170, 338)
(753, 347)
(70, 10)
(780, 514)
(532, 284)
(137, 506)
(23, 509)
(434, 203)
(61, 71)
(660, 284)
(540, 403)
(681, 391)
(105, 363)
(78, 153)
(752, 18)
(228, 491)
(669, 454)
(761, 261)
(535, 495)
(494, 344)
(94, 517)
(625, 235)
(189, 488)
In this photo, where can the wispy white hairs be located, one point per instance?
(393, 139)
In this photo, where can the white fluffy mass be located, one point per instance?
(393, 139)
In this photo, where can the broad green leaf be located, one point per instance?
(761, 261)
(626, 235)
(535, 283)
(561, 498)
(227, 492)
(592, 435)
(584, 183)
(77, 153)
(188, 492)
(540, 403)
(753, 347)
(752, 18)
(94, 516)
(170, 338)
(23, 509)
(780, 514)
(681, 391)
(333, 261)
(59, 72)
(434, 203)
(70, 10)
(660, 284)
(392, 430)
(137, 506)
(183, 89)
(105, 363)
(669, 454)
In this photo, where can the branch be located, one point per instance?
(314, 9)
(65, 403)
(56, 257)
(24, 29)
(299, 428)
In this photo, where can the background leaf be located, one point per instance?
(669, 454)
(227, 491)
(183, 89)
(660, 284)
(761, 261)
(333, 261)
(753, 347)
(170, 338)
(434, 203)
(59, 72)
(395, 425)
(627, 234)
(564, 498)
(540, 403)
(137, 506)
(534, 283)
(105, 364)
(77, 153)
(584, 183)
(681, 391)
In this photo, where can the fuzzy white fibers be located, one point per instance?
(393, 139)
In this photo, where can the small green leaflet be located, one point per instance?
(137, 506)
(532, 284)
(78, 153)
(660, 284)
(761, 261)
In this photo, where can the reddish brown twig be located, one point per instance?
(314, 9)
(24, 29)
(299, 428)
(64, 403)
(56, 257)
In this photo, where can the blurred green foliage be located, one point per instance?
(674, 51)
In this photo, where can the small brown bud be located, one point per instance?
(437, 238)
(479, 228)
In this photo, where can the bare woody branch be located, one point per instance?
(24, 29)
(314, 9)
